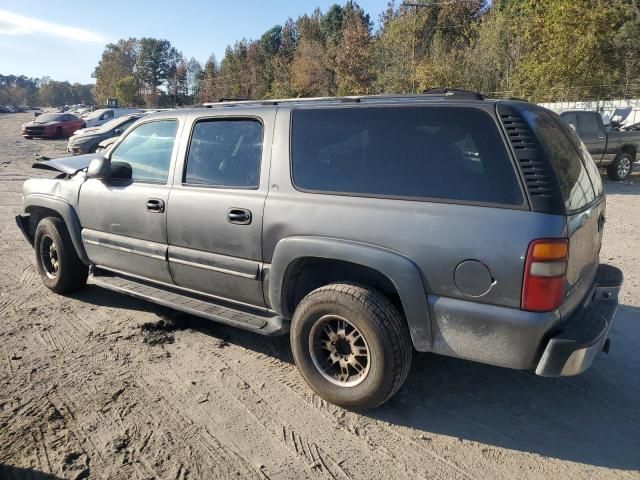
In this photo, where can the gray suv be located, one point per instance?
(365, 226)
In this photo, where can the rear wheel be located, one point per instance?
(60, 267)
(621, 167)
(351, 345)
(59, 132)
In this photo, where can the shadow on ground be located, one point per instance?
(173, 320)
(7, 472)
(630, 186)
(592, 419)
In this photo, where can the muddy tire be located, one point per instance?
(58, 263)
(621, 167)
(351, 345)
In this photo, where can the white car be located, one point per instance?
(98, 117)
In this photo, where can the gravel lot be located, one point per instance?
(100, 385)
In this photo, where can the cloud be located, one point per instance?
(14, 24)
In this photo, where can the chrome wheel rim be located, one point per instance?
(624, 167)
(339, 351)
(49, 257)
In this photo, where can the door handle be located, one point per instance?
(239, 216)
(155, 205)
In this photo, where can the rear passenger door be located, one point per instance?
(214, 220)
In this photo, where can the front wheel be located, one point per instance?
(58, 263)
(621, 167)
(351, 345)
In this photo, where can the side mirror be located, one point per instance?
(99, 168)
(117, 131)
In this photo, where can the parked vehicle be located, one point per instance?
(52, 125)
(103, 115)
(365, 226)
(613, 149)
(87, 140)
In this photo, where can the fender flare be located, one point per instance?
(402, 272)
(68, 214)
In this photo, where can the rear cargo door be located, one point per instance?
(582, 192)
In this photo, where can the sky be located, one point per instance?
(64, 39)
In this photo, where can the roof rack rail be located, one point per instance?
(454, 92)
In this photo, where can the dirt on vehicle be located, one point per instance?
(101, 385)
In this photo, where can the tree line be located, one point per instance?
(539, 51)
(22, 90)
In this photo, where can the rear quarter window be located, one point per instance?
(438, 153)
(573, 177)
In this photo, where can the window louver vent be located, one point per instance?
(534, 168)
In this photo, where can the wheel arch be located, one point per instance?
(41, 206)
(301, 264)
(630, 149)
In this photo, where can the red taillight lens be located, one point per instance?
(544, 275)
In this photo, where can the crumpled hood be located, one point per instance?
(68, 165)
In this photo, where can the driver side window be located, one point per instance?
(147, 150)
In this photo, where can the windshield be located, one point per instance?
(50, 117)
(116, 122)
(95, 114)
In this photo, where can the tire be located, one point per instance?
(61, 269)
(382, 331)
(59, 132)
(621, 167)
(28, 137)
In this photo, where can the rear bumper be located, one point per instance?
(584, 334)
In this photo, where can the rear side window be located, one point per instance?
(446, 153)
(570, 171)
(571, 119)
(225, 153)
(588, 124)
(592, 169)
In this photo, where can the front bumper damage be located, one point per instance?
(584, 334)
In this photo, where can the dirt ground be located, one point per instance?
(100, 385)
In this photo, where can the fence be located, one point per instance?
(605, 107)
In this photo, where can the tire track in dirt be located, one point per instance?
(338, 449)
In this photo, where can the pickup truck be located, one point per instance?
(613, 149)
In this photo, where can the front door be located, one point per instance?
(124, 218)
(215, 220)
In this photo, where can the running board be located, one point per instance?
(193, 304)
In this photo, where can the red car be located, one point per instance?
(52, 125)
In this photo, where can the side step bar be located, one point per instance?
(193, 304)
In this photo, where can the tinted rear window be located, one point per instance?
(570, 171)
(447, 153)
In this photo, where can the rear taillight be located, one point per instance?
(544, 274)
